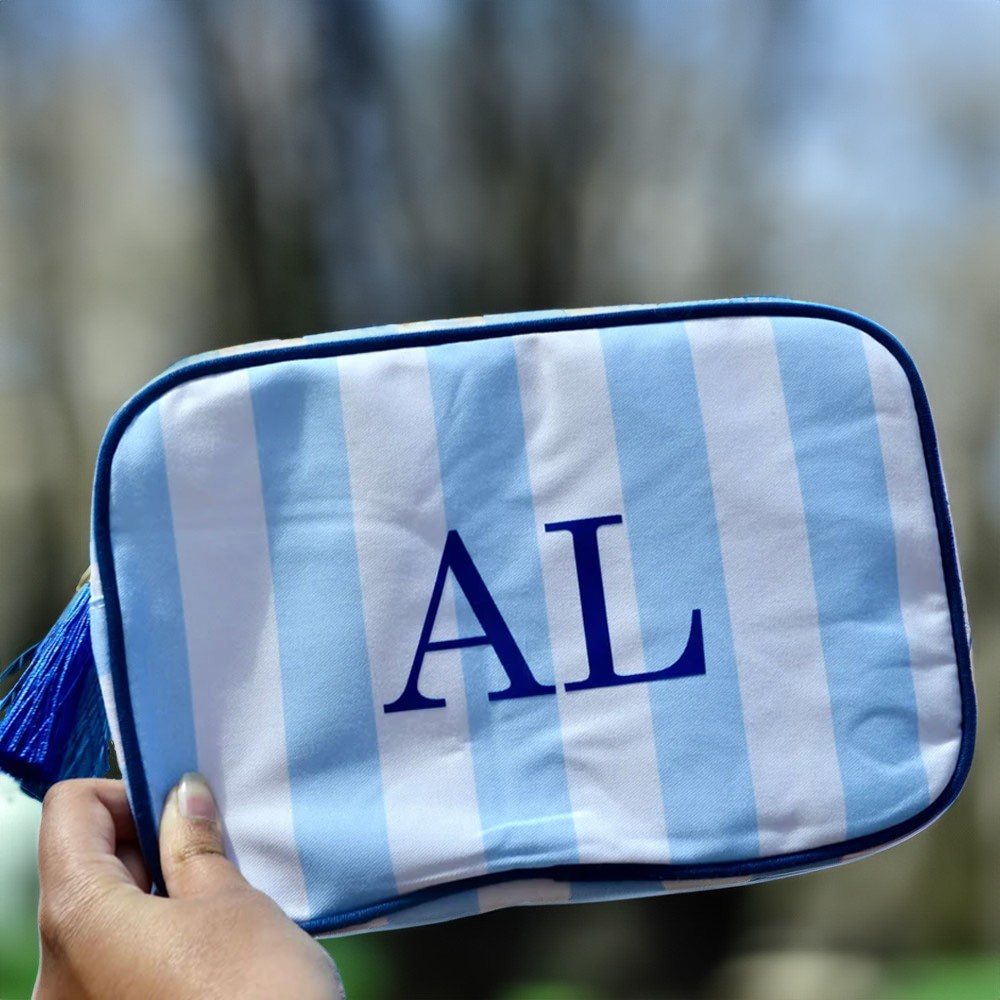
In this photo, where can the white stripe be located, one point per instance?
(99, 644)
(227, 595)
(378, 924)
(108, 696)
(769, 584)
(922, 595)
(573, 469)
(432, 815)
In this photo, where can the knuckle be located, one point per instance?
(195, 850)
(60, 797)
(56, 796)
(67, 790)
(50, 925)
(62, 918)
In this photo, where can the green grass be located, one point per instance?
(366, 967)
(943, 977)
(18, 964)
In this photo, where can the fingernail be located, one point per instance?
(195, 799)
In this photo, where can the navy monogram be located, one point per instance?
(522, 682)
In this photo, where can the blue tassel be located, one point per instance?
(52, 722)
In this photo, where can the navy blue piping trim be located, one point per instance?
(145, 815)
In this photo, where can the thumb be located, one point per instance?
(191, 851)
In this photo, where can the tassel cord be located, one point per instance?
(52, 721)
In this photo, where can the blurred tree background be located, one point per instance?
(179, 176)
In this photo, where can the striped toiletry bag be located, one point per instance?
(544, 607)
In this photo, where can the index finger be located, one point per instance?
(87, 838)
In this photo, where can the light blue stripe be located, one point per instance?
(598, 892)
(149, 594)
(338, 811)
(677, 563)
(516, 745)
(852, 544)
(451, 907)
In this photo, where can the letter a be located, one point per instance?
(495, 633)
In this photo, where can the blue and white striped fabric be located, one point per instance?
(711, 539)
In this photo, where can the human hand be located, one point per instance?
(104, 936)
